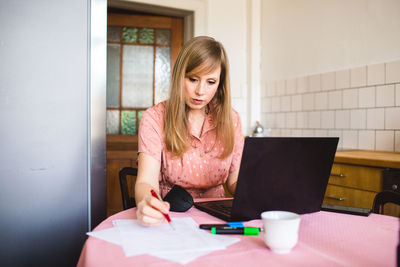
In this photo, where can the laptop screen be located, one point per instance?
(283, 173)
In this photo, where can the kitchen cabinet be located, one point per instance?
(357, 176)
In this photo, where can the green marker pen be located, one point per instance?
(236, 230)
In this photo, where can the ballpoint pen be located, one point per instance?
(154, 194)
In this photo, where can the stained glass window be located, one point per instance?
(162, 74)
(138, 74)
(163, 36)
(146, 36)
(113, 33)
(113, 59)
(128, 122)
(112, 121)
(129, 34)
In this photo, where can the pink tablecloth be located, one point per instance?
(325, 239)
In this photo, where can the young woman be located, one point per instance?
(194, 139)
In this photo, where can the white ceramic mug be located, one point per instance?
(281, 230)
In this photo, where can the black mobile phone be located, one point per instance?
(345, 209)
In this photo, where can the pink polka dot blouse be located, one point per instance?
(199, 170)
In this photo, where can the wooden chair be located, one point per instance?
(127, 200)
(385, 197)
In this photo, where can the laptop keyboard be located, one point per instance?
(219, 208)
(223, 208)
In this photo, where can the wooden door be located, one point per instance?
(141, 51)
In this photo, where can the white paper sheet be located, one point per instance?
(184, 244)
(109, 234)
(137, 239)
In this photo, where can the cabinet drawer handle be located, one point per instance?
(340, 175)
(336, 198)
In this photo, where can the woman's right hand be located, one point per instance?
(150, 211)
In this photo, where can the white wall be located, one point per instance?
(227, 22)
(313, 36)
(332, 68)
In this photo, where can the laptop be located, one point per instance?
(278, 173)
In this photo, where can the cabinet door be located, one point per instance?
(353, 185)
(358, 177)
(344, 196)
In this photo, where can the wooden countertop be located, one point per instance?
(369, 158)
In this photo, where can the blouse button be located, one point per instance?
(201, 155)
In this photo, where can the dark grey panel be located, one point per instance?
(44, 132)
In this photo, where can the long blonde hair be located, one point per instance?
(198, 56)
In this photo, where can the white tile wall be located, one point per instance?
(296, 132)
(291, 86)
(266, 105)
(291, 120)
(280, 120)
(269, 119)
(271, 89)
(296, 102)
(385, 140)
(343, 79)
(321, 101)
(385, 96)
(308, 133)
(392, 118)
(328, 81)
(376, 74)
(286, 132)
(393, 72)
(321, 133)
(328, 119)
(350, 139)
(275, 104)
(263, 92)
(375, 118)
(314, 120)
(308, 101)
(358, 119)
(366, 97)
(350, 98)
(366, 140)
(335, 100)
(342, 119)
(302, 85)
(358, 77)
(315, 83)
(280, 87)
(359, 105)
(301, 120)
(286, 103)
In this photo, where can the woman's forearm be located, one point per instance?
(147, 179)
(142, 190)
